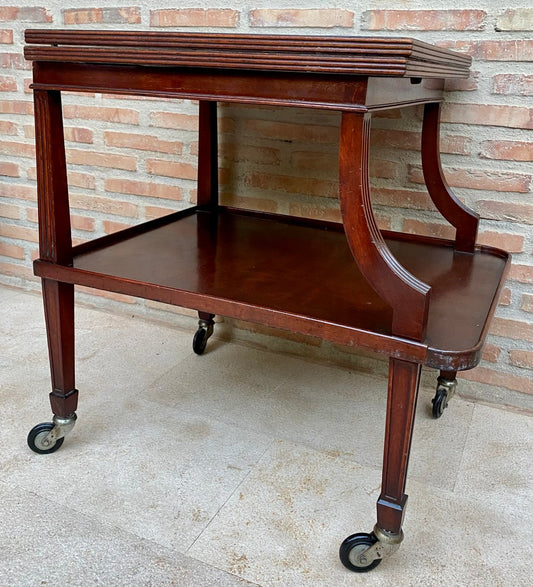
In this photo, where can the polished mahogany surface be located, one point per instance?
(304, 268)
(291, 53)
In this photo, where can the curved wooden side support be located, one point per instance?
(408, 297)
(456, 213)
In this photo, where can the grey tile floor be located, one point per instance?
(240, 467)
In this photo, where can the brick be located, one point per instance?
(516, 84)
(521, 358)
(505, 297)
(413, 226)
(32, 215)
(9, 169)
(124, 15)
(171, 169)
(174, 120)
(316, 18)
(82, 222)
(249, 153)
(9, 250)
(8, 128)
(6, 36)
(142, 188)
(79, 135)
(25, 14)
(398, 198)
(8, 83)
(263, 204)
(320, 163)
(16, 107)
(424, 20)
(513, 243)
(79, 157)
(478, 179)
(515, 329)
(288, 131)
(499, 379)
(152, 212)
(104, 205)
(513, 50)
(119, 115)
(17, 149)
(316, 212)
(515, 19)
(81, 180)
(17, 271)
(14, 61)
(527, 303)
(9, 211)
(111, 226)
(507, 150)
(469, 84)
(488, 115)
(195, 17)
(491, 353)
(293, 185)
(521, 273)
(508, 211)
(411, 141)
(141, 142)
(20, 192)
(19, 232)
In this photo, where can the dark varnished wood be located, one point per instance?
(58, 298)
(456, 213)
(353, 55)
(416, 299)
(401, 405)
(392, 281)
(286, 268)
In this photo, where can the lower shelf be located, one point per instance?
(298, 275)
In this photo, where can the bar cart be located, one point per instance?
(418, 300)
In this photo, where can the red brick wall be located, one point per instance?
(134, 159)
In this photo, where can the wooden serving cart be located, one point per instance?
(418, 300)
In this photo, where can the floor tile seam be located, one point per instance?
(464, 451)
(73, 513)
(271, 444)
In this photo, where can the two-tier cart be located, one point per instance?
(418, 300)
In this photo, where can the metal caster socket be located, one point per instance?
(445, 392)
(48, 437)
(363, 552)
(205, 330)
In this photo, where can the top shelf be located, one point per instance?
(375, 56)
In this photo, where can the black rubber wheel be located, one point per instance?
(37, 435)
(440, 401)
(351, 550)
(199, 341)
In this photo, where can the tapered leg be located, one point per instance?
(363, 552)
(59, 315)
(401, 404)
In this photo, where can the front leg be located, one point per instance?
(363, 552)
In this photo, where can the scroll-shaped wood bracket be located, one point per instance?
(408, 296)
(456, 213)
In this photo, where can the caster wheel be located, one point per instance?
(351, 552)
(440, 402)
(199, 341)
(38, 434)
